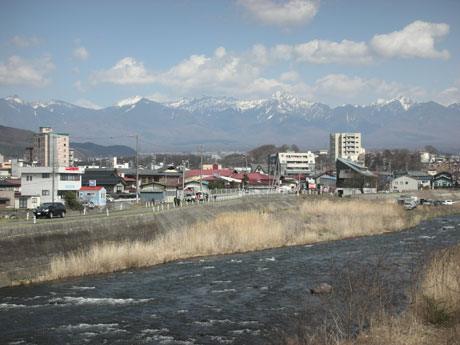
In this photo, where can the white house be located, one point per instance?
(38, 181)
(405, 184)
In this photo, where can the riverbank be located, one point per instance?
(314, 220)
(433, 316)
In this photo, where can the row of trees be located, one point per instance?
(391, 160)
(386, 160)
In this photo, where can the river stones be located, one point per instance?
(321, 289)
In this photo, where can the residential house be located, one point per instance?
(50, 183)
(28, 202)
(423, 177)
(405, 184)
(214, 166)
(108, 178)
(259, 168)
(353, 178)
(167, 175)
(443, 180)
(7, 194)
(158, 192)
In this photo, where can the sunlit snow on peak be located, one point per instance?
(128, 101)
(15, 99)
(405, 102)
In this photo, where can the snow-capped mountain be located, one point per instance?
(227, 123)
(404, 102)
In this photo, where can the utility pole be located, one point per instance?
(53, 162)
(137, 169)
(201, 168)
(137, 165)
(183, 179)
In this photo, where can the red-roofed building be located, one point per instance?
(93, 194)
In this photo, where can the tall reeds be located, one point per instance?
(239, 232)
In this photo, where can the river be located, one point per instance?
(231, 299)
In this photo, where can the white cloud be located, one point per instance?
(126, 71)
(340, 84)
(19, 71)
(415, 40)
(22, 42)
(290, 76)
(450, 95)
(281, 52)
(328, 52)
(80, 53)
(283, 14)
(79, 85)
(86, 104)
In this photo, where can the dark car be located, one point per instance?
(50, 210)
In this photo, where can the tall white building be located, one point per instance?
(51, 148)
(291, 163)
(345, 145)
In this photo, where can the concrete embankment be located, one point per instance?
(26, 251)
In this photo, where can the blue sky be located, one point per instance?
(95, 53)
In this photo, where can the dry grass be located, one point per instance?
(320, 220)
(434, 318)
(438, 298)
(331, 220)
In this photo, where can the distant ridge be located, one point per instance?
(91, 150)
(226, 124)
(14, 141)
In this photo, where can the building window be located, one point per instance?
(45, 175)
(45, 192)
(29, 177)
(22, 202)
(70, 177)
(34, 200)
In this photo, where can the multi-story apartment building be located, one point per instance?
(51, 149)
(291, 163)
(345, 145)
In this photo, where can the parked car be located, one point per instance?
(402, 198)
(50, 210)
(426, 201)
(410, 204)
(437, 203)
(447, 203)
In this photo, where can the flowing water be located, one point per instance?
(231, 299)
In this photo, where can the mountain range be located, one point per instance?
(224, 124)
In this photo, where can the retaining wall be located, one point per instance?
(26, 251)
